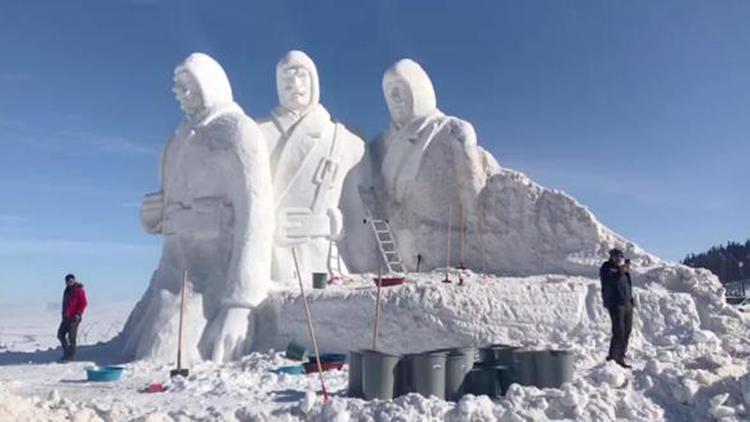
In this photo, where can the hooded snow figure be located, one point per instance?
(423, 148)
(432, 171)
(213, 211)
(317, 165)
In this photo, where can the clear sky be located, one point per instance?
(639, 109)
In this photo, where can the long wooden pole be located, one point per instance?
(448, 249)
(377, 311)
(182, 318)
(310, 326)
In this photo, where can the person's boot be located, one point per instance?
(622, 363)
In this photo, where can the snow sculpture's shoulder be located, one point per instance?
(459, 129)
(352, 143)
(233, 130)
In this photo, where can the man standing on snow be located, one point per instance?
(617, 294)
(73, 305)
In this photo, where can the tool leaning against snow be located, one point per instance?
(375, 216)
(310, 325)
(180, 371)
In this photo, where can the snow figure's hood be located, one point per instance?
(210, 77)
(418, 83)
(296, 58)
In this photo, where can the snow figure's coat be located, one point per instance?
(431, 168)
(214, 213)
(317, 165)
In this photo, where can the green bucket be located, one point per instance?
(320, 280)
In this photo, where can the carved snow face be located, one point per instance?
(188, 93)
(399, 101)
(295, 90)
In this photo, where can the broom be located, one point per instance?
(180, 371)
(310, 326)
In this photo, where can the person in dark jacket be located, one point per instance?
(617, 294)
(73, 305)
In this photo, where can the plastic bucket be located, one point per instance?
(355, 374)
(320, 280)
(457, 367)
(295, 351)
(378, 374)
(428, 373)
(500, 354)
(104, 373)
(524, 363)
(554, 368)
(404, 382)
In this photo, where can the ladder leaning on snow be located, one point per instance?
(379, 223)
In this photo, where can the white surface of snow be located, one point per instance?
(689, 364)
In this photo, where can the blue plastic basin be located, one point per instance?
(292, 370)
(104, 373)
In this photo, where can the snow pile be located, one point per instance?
(690, 364)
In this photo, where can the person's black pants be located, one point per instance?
(67, 335)
(622, 323)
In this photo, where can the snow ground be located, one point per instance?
(690, 356)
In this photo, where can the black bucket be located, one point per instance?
(404, 382)
(355, 374)
(428, 373)
(378, 374)
(490, 380)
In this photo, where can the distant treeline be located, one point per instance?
(724, 261)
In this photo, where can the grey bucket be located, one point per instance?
(554, 368)
(378, 374)
(428, 373)
(524, 363)
(320, 280)
(459, 363)
(489, 379)
(355, 374)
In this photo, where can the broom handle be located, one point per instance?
(182, 311)
(310, 326)
(377, 311)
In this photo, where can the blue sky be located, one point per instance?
(639, 109)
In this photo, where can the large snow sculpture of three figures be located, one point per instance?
(236, 197)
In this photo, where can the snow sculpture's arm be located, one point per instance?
(358, 244)
(250, 265)
(152, 207)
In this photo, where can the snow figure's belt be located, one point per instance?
(203, 220)
(299, 225)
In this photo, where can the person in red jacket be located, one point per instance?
(74, 303)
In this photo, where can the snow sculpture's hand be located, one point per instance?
(152, 212)
(336, 221)
(228, 334)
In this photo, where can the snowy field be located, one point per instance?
(690, 356)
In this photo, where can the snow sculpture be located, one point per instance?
(214, 214)
(431, 169)
(317, 165)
